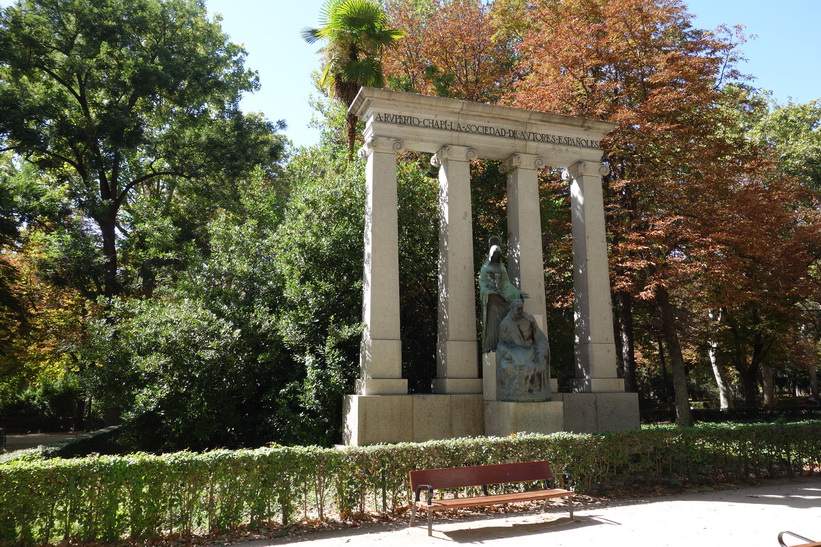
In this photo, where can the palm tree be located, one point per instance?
(356, 35)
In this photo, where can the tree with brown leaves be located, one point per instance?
(641, 64)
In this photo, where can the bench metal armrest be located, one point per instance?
(569, 483)
(419, 489)
(793, 534)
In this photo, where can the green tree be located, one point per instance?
(793, 133)
(52, 268)
(201, 364)
(10, 307)
(109, 96)
(356, 34)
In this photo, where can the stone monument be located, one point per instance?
(457, 132)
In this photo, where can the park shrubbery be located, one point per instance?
(143, 496)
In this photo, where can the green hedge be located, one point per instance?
(143, 496)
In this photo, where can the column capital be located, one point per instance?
(521, 161)
(380, 144)
(453, 153)
(585, 168)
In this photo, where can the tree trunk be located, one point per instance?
(749, 379)
(684, 417)
(350, 133)
(768, 386)
(747, 372)
(108, 230)
(665, 376)
(813, 381)
(725, 392)
(79, 414)
(624, 306)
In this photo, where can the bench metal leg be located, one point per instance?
(413, 514)
(570, 506)
(430, 522)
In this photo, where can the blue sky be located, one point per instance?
(783, 57)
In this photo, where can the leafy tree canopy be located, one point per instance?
(107, 96)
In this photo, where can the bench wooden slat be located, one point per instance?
(496, 499)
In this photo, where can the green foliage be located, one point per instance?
(141, 497)
(49, 406)
(318, 250)
(112, 96)
(165, 362)
(417, 196)
(257, 340)
(793, 133)
(68, 257)
(202, 364)
(356, 35)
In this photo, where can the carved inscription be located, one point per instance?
(490, 130)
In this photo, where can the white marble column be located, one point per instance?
(457, 367)
(380, 358)
(595, 348)
(525, 262)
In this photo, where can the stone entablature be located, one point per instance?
(425, 124)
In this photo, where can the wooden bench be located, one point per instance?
(430, 480)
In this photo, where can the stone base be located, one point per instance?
(598, 385)
(372, 419)
(503, 418)
(382, 386)
(599, 412)
(457, 386)
(489, 375)
(489, 378)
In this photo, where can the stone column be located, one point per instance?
(595, 348)
(526, 261)
(380, 358)
(457, 366)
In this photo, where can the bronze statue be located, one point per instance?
(522, 358)
(496, 292)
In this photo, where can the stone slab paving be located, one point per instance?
(748, 516)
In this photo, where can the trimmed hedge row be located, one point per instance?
(143, 496)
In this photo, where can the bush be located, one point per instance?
(50, 406)
(143, 496)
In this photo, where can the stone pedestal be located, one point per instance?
(599, 412)
(503, 418)
(373, 419)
